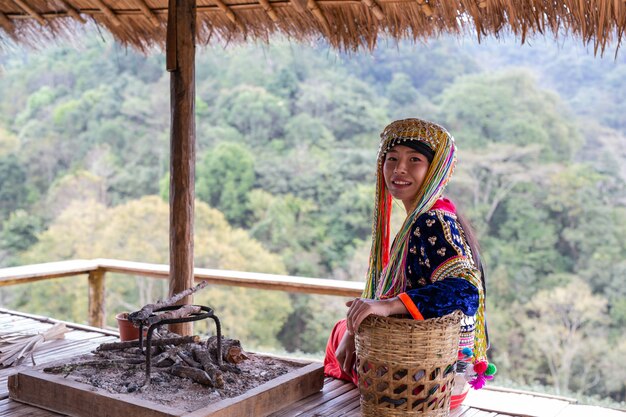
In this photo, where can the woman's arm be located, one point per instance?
(360, 308)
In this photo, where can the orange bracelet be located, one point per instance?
(410, 305)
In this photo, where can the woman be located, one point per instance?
(432, 267)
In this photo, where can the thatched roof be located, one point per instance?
(346, 24)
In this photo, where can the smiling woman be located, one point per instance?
(404, 170)
(432, 268)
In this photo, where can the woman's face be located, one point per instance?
(404, 170)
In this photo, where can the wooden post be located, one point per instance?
(181, 50)
(97, 298)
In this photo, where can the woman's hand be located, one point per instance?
(360, 308)
(346, 353)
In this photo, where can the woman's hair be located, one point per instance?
(470, 237)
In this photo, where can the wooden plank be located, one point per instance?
(71, 11)
(579, 410)
(514, 403)
(6, 24)
(183, 156)
(43, 319)
(97, 298)
(262, 401)
(108, 12)
(534, 394)
(354, 405)
(32, 12)
(315, 401)
(147, 12)
(243, 279)
(347, 400)
(267, 7)
(38, 272)
(56, 393)
(9, 315)
(32, 273)
(10, 408)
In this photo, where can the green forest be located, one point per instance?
(287, 136)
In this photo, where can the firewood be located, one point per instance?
(163, 360)
(202, 355)
(188, 359)
(67, 368)
(183, 311)
(232, 352)
(195, 374)
(140, 316)
(159, 342)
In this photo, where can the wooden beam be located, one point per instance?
(374, 8)
(40, 272)
(299, 5)
(269, 282)
(108, 12)
(146, 11)
(97, 298)
(229, 14)
(270, 11)
(182, 153)
(319, 15)
(6, 24)
(170, 37)
(71, 11)
(428, 11)
(34, 14)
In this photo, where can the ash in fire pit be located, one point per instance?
(179, 378)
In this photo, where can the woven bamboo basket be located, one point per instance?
(405, 366)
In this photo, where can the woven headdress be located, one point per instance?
(386, 276)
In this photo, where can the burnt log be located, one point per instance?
(188, 359)
(203, 356)
(140, 316)
(101, 364)
(195, 374)
(174, 341)
(232, 352)
(163, 360)
(182, 312)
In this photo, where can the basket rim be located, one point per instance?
(408, 320)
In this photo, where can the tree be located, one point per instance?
(77, 186)
(257, 114)
(225, 176)
(13, 189)
(509, 107)
(564, 332)
(9, 143)
(19, 232)
(285, 224)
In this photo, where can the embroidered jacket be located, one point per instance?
(441, 274)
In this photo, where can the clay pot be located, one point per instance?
(127, 330)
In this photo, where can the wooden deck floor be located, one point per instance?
(337, 399)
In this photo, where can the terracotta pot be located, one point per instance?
(127, 330)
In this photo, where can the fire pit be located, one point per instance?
(169, 375)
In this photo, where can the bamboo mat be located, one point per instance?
(79, 340)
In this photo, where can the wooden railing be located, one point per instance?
(96, 270)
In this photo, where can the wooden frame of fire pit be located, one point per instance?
(56, 393)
